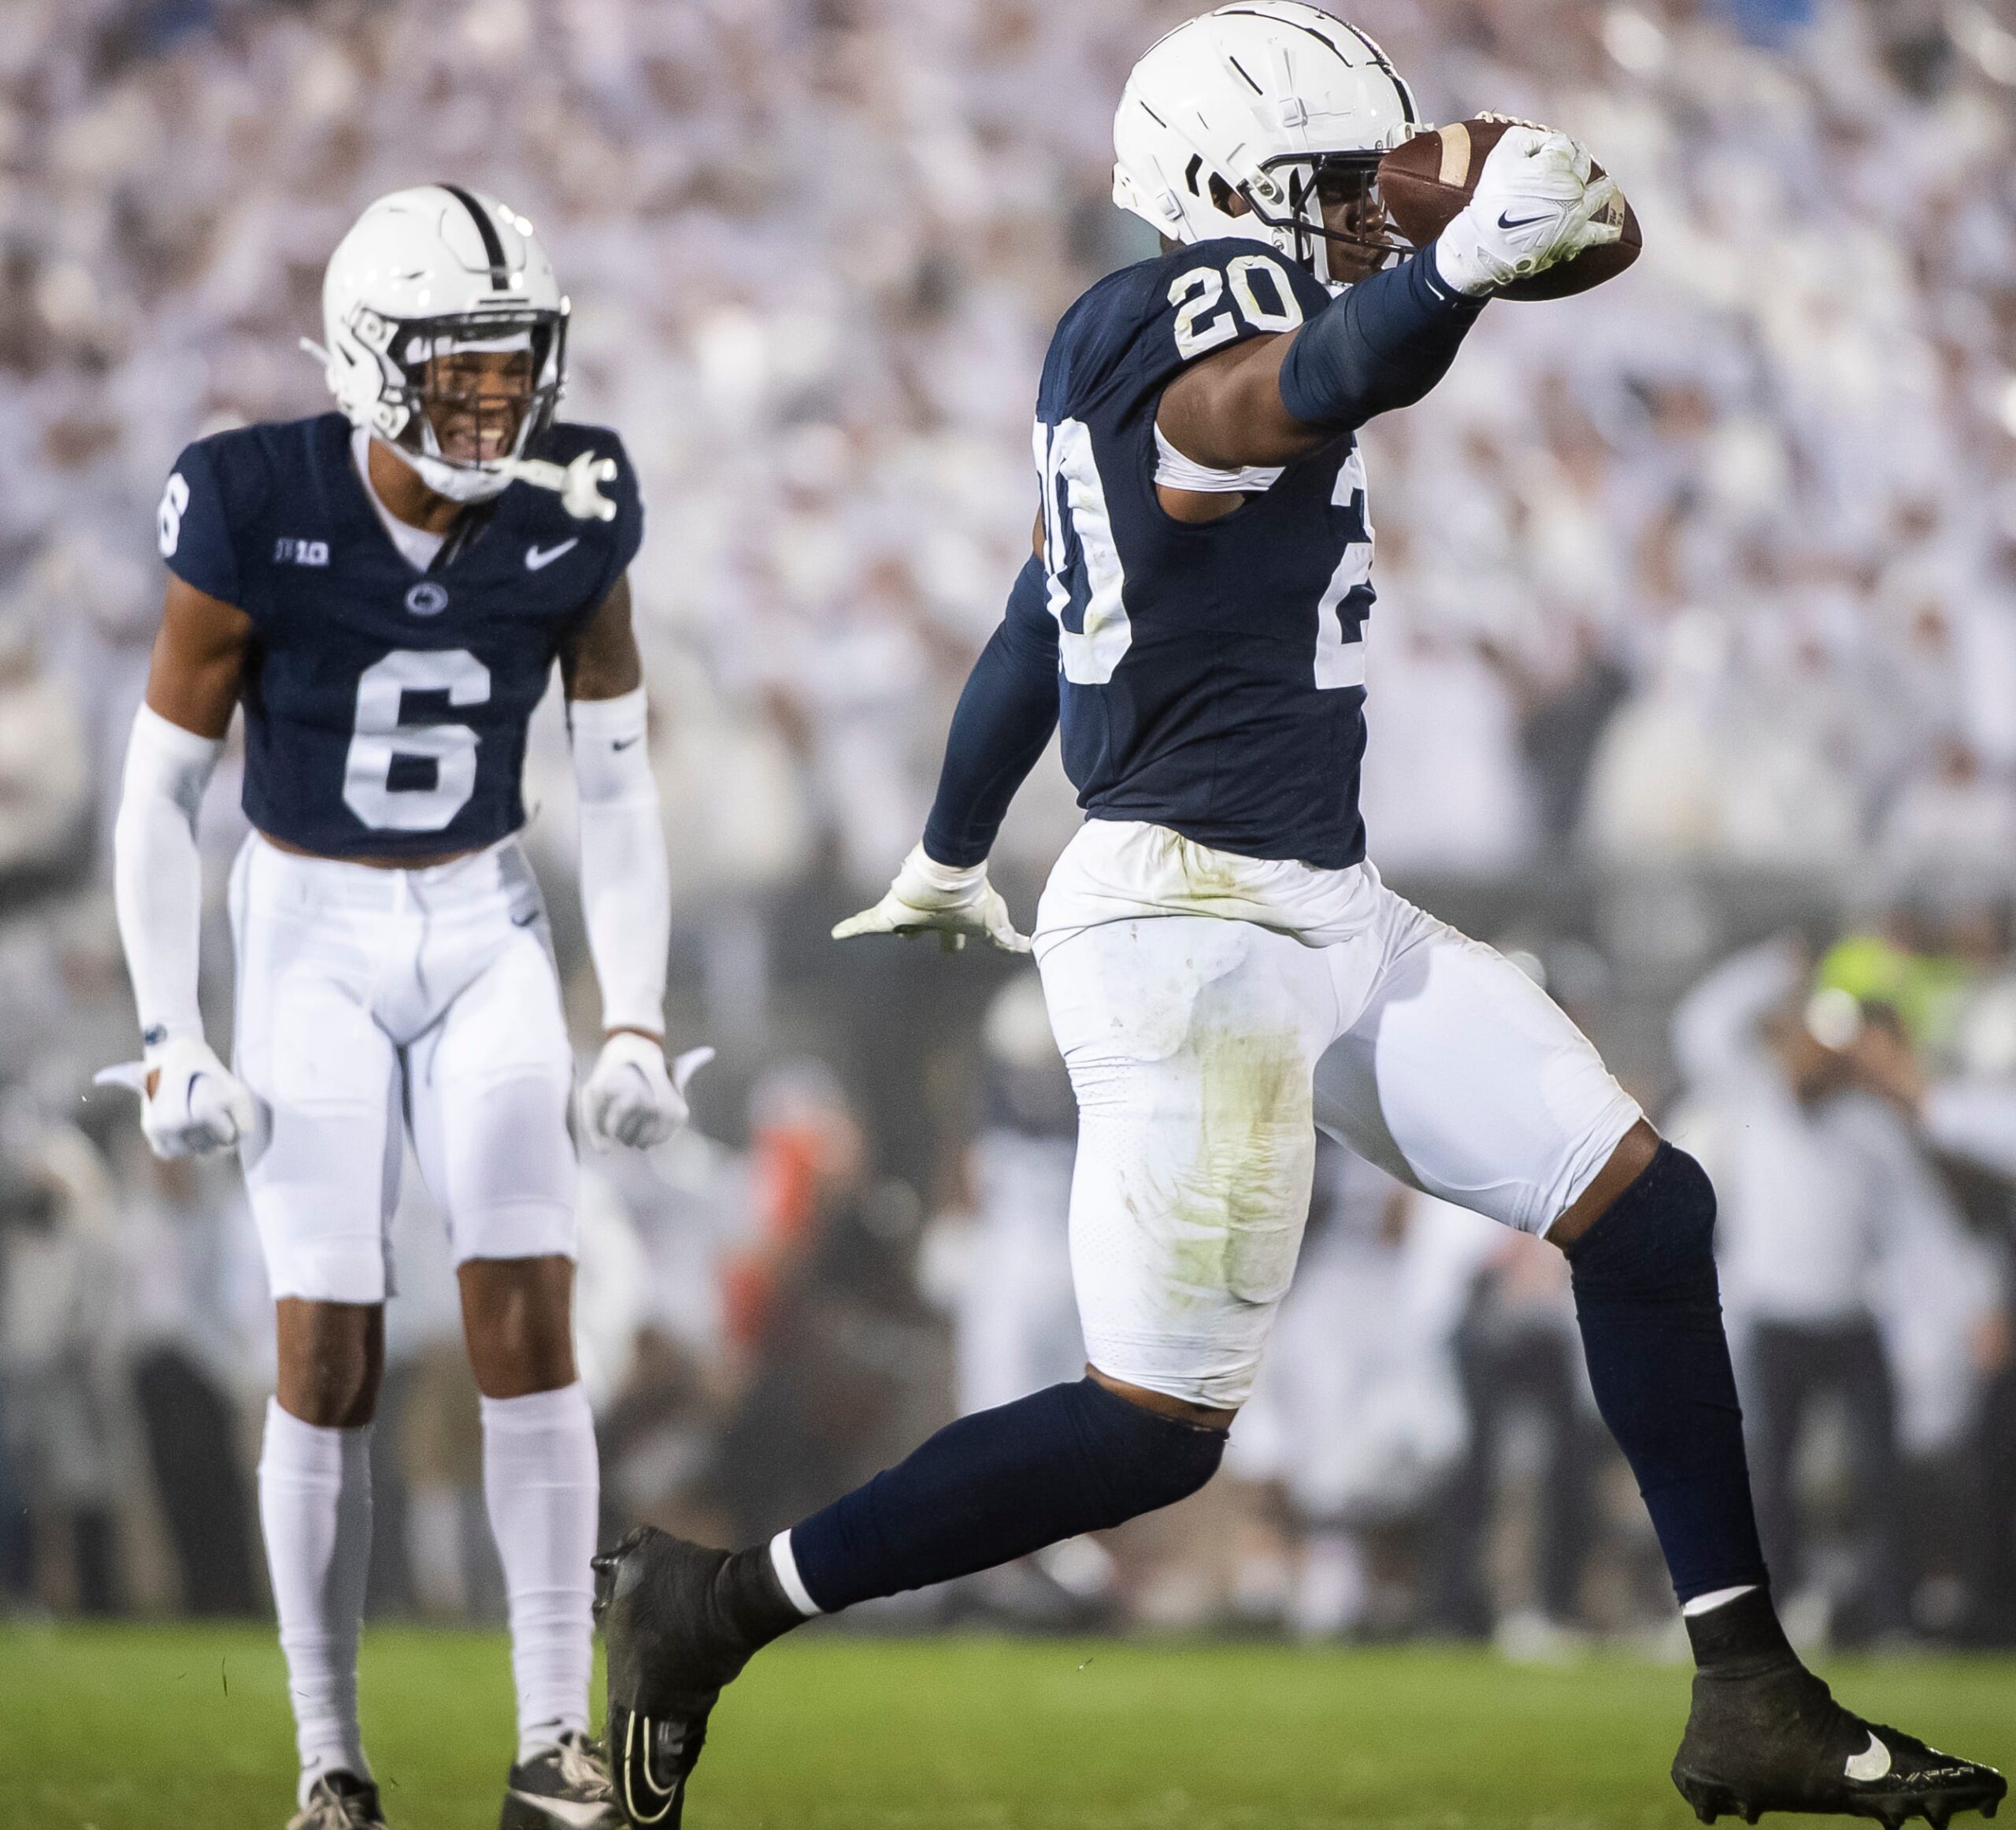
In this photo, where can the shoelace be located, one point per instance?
(583, 1765)
(329, 1810)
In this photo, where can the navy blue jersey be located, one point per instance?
(1214, 677)
(385, 707)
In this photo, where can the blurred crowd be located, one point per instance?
(1698, 625)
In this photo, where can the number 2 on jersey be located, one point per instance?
(437, 761)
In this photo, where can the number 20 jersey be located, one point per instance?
(1212, 675)
(385, 707)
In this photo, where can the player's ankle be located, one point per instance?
(753, 1599)
(1739, 1637)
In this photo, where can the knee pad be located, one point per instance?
(1657, 1239)
(1135, 1461)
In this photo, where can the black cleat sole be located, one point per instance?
(1711, 1800)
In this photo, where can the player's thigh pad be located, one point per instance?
(1190, 1042)
(1461, 1077)
(321, 1170)
(488, 1089)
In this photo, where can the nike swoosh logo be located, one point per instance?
(524, 920)
(1870, 1765)
(538, 561)
(623, 743)
(1504, 222)
(582, 1814)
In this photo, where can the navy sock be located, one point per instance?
(997, 1485)
(1651, 1319)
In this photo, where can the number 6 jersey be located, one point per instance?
(386, 707)
(1213, 675)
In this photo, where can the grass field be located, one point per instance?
(131, 1726)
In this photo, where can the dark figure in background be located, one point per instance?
(828, 1305)
(1995, 1577)
(1518, 1352)
(204, 1498)
(179, 1298)
(1795, 1370)
(58, 1367)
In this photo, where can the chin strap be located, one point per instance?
(578, 484)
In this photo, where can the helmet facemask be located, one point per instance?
(463, 397)
(1296, 194)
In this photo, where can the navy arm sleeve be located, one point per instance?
(1004, 720)
(1382, 345)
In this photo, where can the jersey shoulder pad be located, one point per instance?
(214, 506)
(566, 440)
(1143, 324)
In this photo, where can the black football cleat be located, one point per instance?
(339, 1801)
(1776, 1740)
(680, 1621)
(566, 1786)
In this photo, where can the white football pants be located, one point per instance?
(1205, 1049)
(369, 998)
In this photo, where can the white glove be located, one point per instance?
(198, 1105)
(1535, 206)
(631, 1098)
(953, 901)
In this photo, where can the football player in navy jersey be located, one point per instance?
(1224, 970)
(385, 591)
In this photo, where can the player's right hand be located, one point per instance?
(191, 1105)
(1536, 204)
(947, 900)
(633, 1098)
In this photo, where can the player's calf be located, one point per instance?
(1765, 1734)
(681, 1620)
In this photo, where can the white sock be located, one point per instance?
(542, 1485)
(315, 1509)
(1704, 1604)
(784, 1562)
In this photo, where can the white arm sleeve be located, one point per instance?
(158, 874)
(626, 880)
(1715, 1028)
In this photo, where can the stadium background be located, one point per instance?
(1694, 658)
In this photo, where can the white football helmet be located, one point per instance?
(1286, 104)
(422, 276)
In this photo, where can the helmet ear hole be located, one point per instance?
(1224, 199)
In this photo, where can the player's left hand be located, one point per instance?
(632, 1098)
(191, 1105)
(949, 900)
(1538, 203)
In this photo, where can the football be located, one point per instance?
(1426, 180)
